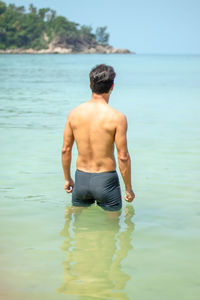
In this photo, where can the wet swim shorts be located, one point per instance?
(104, 188)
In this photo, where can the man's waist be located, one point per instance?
(103, 165)
(92, 171)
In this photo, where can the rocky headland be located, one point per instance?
(41, 31)
(70, 46)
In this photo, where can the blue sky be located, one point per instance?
(144, 26)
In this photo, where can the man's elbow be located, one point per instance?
(123, 157)
(66, 150)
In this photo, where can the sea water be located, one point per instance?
(150, 250)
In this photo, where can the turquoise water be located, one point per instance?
(148, 252)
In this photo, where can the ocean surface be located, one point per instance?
(150, 251)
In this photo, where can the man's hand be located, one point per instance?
(69, 185)
(129, 195)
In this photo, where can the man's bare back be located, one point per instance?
(95, 127)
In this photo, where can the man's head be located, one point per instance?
(102, 79)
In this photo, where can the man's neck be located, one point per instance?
(104, 98)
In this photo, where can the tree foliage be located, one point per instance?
(102, 36)
(25, 29)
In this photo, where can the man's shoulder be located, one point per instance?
(76, 110)
(118, 114)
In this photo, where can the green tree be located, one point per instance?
(20, 9)
(102, 36)
(21, 29)
(32, 9)
(2, 7)
(51, 15)
(86, 31)
(42, 12)
(63, 27)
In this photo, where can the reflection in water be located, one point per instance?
(95, 245)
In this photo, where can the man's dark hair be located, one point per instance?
(102, 78)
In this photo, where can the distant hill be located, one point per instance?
(42, 31)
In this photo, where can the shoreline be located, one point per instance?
(60, 50)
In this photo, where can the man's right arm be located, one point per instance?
(68, 140)
(124, 159)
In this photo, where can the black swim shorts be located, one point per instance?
(104, 188)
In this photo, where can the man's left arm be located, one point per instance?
(68, 140)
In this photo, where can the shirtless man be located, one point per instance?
(96, 126)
